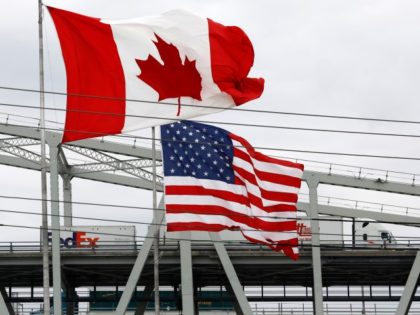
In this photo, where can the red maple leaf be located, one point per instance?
(172, 78)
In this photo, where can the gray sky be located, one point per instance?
(352, 58)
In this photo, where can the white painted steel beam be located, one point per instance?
(316, 249)
(139, 264)
(187, 287)
(115, 179)
(106, 146)
(53, 142)
(410, 288)
(359, 213)
(363, 183)
(132, 150)
(231, 274)
(5, 307)
(67, 197)
(143, 184)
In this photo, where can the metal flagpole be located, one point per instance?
(45, 260)
(156, 236)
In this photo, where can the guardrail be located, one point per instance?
(363, 205)
(35, 247)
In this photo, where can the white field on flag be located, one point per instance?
(135, 40)
(261, 202)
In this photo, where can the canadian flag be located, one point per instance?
(129, 74)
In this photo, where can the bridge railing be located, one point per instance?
(304, 246)
(363, 205)
(359, 172)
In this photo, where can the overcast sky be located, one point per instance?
(351, 58)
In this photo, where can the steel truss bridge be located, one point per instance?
(320, 275)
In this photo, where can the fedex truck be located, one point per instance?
(91, 237)
(330, 229)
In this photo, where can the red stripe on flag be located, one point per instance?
(197, 226)
(93, 68)
(271, 195)
(264, 158)
(266, 176)
(201, 191)
(286, 246)
(251, 221)
(248, 200)
(256, 201)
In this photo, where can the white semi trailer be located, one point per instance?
(363, 232)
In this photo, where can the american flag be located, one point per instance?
(215, 180)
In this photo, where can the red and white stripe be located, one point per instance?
(261, 202)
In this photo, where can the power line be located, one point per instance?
(222, 108)
(354, 132)
(158, 209)
(324, 245)
(128, 136)
(280, 157)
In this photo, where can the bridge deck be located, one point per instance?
(255, 267)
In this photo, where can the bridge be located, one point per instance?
(191, 262)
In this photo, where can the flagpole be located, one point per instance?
(156, 236)
(44, 231)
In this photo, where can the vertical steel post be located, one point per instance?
(156, 235)
(187, 286)
(141, 306)
(55, 223)
(44, 205)
(68, 209)
(316, 250)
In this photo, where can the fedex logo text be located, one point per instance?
(77, 240)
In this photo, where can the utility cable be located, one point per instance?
(238, 124)
(157, 209)
(96, 134)
(222, 108)
(321, 219)
(330, 164)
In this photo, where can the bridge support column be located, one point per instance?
(53, 142)
(5, 307)
(410, 288)
(316, 250)
(236, 305)
(231, 274)
(187, 287)
(68, 209)
(141, 306)
(71, 305)
(140, 262)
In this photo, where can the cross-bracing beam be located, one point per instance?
(140, 262)
(133, 167)
(410, 288)
(5, 307)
